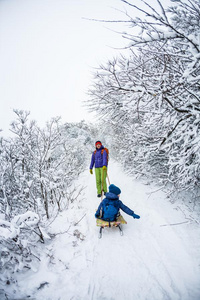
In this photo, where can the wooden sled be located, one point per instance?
(102, 224)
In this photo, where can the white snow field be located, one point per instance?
(157, 258)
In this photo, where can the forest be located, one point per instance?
(148, 106)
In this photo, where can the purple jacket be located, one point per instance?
(98, 160)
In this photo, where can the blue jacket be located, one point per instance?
(98, 160)
(110, 197)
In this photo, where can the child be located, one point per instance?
(108, 209)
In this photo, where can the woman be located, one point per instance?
(100, 161)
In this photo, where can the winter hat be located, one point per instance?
(114, 189)
(98, 143)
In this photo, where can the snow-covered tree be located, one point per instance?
(38, 168)
(39, 165)
(151, 97)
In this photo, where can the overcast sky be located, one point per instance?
(47, 53)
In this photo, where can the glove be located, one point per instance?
(136, 216)
(91, 172)
(96, 216)
(104, 168)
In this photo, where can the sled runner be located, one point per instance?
(102, 224)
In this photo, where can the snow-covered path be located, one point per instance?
(153, 260)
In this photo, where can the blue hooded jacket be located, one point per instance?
(98, 160)
(113, 199)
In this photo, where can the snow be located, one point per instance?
(156, 258)
(7, 230)
(29, 218)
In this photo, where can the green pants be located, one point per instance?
(101, 174)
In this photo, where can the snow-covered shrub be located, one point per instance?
(18, 245)
(38, 166)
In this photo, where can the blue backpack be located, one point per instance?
(110, 212)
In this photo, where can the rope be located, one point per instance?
(102, 184)
(108, 179)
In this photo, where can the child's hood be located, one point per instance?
(111, 196)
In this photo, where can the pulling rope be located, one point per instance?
(102, 183)
(108, 178)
